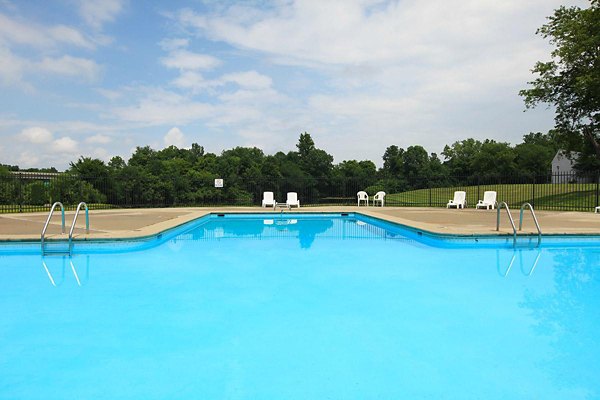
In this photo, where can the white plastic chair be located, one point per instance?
(362, 196)
(292, 200)
(459, 201)
(379, 198)
(488, 202)
(597, 210)
(268, 199)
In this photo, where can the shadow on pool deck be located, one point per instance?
(129, 223)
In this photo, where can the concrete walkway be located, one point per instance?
(130, 223)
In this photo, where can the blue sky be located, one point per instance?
(100, 78)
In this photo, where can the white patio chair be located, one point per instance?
(379, 198)
(597, 210)
(292, 200)
(268, 199)
(488, 202)
(459, 201)
(362, 196)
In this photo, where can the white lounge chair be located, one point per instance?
(292, 200)
(362, 196)
(268, 199)
(379, 198)
(488, 202)
(459, 201)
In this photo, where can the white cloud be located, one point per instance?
(109, 94)
(99, 139)
(22, 32)
(98, 13)
(65, 145)
(186, 60)
(37, 135)
(249, 79)
(44, 42)
(71, 36)
(373, 73)
(174, 138)
(101, 153)
(12, 68)
(252, 80)
(161, 107)
(173, 44)
(71, 66)
(355, 32)
(191, 80)
(28, 159)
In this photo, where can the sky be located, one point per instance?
(98, 78)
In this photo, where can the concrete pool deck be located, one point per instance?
(132, 223)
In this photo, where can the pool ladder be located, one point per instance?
(512, 261)
(512, 222)
(80, 279)
(69, 250)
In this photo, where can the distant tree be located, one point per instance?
(242, 164)
(570, 81)
(146, 158)
(195, 152)
(8, 167)
(415, 163)
(116, 163)
(315, 162)
(392, 161)
(534, 156)
(305, 145)
(460, 155)
(8, 186)
(494, 159)
(49, 169)
(89, 167)
(271, 170)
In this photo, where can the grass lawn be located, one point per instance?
(10, 209)
(568, 196)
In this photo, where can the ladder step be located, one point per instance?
(56, 253)
(56, 248)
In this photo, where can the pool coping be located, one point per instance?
(155, 231)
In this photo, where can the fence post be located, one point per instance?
(597, 189)
(429, 194)
(533, 192)
(20, 194)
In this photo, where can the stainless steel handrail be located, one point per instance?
(87, 223)
(537, 225)
(512, 222)
(62, 208)
(535, 263)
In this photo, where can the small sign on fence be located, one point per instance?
(218, 183)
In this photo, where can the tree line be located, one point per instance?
(174, 176)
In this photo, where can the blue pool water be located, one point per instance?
(301, 307)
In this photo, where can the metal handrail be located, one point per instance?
(537, 225)
(512, 222)
(535, 263)
(58, 203)
(87, 222)
(512, 261)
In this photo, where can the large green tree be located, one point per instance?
(570, 80)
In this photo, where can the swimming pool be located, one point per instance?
(301, 307)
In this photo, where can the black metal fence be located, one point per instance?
(20, 193)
